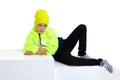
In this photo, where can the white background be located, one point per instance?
(102, 18)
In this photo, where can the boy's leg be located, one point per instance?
(75, 61)
(82, 40)
(72, 60)
(78, 34)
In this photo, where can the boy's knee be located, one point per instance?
(82, 26)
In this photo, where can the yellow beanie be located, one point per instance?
(41, 16)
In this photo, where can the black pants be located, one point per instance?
(63, 53)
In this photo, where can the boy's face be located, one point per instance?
(40, 28)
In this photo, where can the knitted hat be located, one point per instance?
(41, 16)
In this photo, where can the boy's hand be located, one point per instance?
(42, 51)
(28, 53)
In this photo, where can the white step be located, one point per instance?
(15, 66)
(65, 72)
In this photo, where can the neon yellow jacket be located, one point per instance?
(49, 38)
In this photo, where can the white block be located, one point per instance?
(65, 72)
(15, 66)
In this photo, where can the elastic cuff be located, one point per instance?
(99, 61)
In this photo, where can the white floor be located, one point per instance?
(114, 76)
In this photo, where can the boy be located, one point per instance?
(42, 40)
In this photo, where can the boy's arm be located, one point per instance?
(53, 44)
(30, 46)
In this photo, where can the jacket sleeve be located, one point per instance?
(29, 45)
(53, 43)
